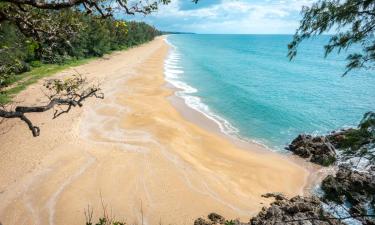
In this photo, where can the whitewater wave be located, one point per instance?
(173, 72)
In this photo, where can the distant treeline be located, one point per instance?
(65, 35)
(175, 32)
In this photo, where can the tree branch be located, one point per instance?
(47, 4)
(67, 95)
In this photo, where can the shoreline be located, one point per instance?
(134, 151)
(316, 173)
(203, 119)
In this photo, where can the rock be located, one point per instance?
(213, 219)
(296, 211)
(216, 218)
(201, 221)
(318, 149)
(277, 196)
(337, 137)
(340, 138)
(358, 188)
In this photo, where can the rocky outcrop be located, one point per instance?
(277, 196)
(322, 149)
(358, 188)
(318, 149)
(337, 138)
(216, 219)
(354, 183)
(295, 211)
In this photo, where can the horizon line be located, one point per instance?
(182, 32)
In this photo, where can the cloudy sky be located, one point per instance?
(229, 16)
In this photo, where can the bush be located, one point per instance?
(36, 63)
(78, 36)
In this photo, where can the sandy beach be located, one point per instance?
(136, 151)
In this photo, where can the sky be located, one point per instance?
(228, 16)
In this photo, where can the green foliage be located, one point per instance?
(327, 161)
(25, 79)
(368, 122)
(354, 23)
(355, 139)
(230, 222)
(360, 143)
(67, 86)
(61, 36)
(12, 54)
(35, 64)
(105, 221)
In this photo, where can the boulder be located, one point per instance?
(295, 211)
(216, 219)
(318, 149)
(358, 188)
(277, 196)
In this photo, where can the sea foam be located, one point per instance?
(173, 72)
(247, 85)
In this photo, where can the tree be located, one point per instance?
(69, 93)
(353, 22)
(55, 30)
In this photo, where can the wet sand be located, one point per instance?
(136, 151)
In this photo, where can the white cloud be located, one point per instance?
(232, 16)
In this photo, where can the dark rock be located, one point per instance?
(318, 149)
(216, 218)
(296, 211)
(368, 221)
(213, 219)
(358, 188)
(349, 138)
(201, 221)
(338, 137)
(277, 196)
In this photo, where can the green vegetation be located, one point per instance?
(48, 36)
(21, 81)
(104, 221)
(24, 60)
(353, 22)
(360, 142)
(40, 38)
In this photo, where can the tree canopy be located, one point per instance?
(351, 21)
(33, 32)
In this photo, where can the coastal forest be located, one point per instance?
(73, 36)
(43, 40)
(37, 37)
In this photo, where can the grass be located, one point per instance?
(22, 81)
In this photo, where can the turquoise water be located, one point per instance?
(250, 88)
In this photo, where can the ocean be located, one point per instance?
(248, 86)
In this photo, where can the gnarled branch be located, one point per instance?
(65, 93)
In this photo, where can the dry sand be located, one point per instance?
(133, 151)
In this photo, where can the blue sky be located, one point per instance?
(228, 16)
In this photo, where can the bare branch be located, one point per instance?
(69, 93)
(47, 4)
